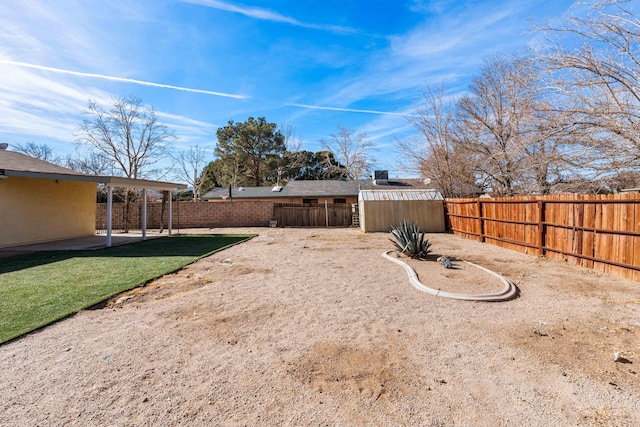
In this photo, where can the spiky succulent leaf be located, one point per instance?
(410, 240)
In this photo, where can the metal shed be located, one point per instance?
(380, 209)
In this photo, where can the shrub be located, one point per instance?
(409, 240)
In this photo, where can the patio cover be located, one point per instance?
(21, 165)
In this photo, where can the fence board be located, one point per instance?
(597, 238)
(300, 215)
(636, 246)
(618, 240)
(521, 228)
(607, 239)
(629, 218)
(550, 216)
(589, 236)
(578, 214)
(601, 232)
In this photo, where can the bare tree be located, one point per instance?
(508, 123)
(352, 150)
(550, 143)
(292, 141)
(128, 135)
(190, 166)
(90, 163)
(506, 135)
(490, 117)
(600, 81)
(292, 158)
(435, 154)
(39, 151)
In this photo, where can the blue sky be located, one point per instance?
(312, 65)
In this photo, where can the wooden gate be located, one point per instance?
(306, 215)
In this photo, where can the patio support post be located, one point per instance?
(170, 212)
(144, 214)
(109, 213)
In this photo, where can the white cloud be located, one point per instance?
(189, 131)
(37, 31)
(186, 120)
(427, 55)
(44, 103)
(469, 30)
(446, 49)
(120, 79)
(268, 15)
(430, 6)
(40, 107)
(21, 122)
(49, 110)
(45, 47)
(349, 110)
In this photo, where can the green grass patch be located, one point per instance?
(39, 288)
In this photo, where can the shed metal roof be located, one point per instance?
(399, 195)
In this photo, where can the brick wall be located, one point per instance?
(236, 213)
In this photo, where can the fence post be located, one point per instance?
(479, 203)
(541, 227)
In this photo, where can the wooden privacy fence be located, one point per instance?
(306, 215)
(601, 232)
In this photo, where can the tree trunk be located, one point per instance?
(127, 211)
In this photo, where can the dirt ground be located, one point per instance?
(314, 327)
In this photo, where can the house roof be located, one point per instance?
(309, 189)
(13, 161)
(21, 165)
(241, 193)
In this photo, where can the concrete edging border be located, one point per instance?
(508, 292)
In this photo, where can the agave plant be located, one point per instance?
(409, 240)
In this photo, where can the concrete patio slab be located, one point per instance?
(97, 241)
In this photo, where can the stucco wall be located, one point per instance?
(35, 210)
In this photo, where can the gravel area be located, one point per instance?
(313, 327)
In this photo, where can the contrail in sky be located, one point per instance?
(267, 15)
(121, 79)
(349, 110)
